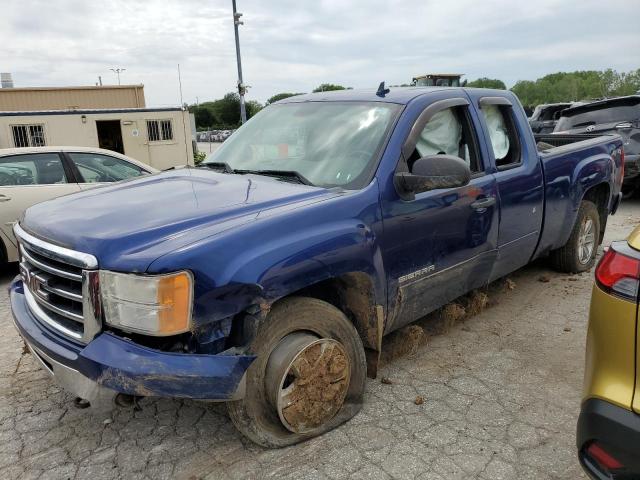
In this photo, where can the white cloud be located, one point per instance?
(290, 45)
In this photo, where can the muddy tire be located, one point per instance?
(579, 253)
(286, 402)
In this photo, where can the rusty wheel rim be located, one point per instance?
(309, 379)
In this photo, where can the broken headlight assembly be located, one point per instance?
(157, 305)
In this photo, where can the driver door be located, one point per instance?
(442, 243)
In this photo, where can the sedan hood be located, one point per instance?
(130, 224)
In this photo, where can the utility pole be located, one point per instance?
(117, 72)
(180, 83)
(241, 87)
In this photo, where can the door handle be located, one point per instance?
(483, 203)
(4, 198)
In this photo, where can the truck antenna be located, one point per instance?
(381, 90)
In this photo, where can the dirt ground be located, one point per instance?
(494, 396)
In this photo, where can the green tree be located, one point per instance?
(204, 115)
(326, 87)
(228, 109)
(485, 82)
(253, 107)
(281, 96)
(574, 86)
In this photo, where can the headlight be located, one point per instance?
(149, 304)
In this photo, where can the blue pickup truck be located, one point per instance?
(268, 276)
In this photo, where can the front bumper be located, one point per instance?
(109, 364)
(614, 428)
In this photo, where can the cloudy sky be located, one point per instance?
(292, 45)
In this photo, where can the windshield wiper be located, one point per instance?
(226, 168)
(284, 174)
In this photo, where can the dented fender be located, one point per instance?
(283, 251)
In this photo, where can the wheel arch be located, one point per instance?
(600, 195)
(353, 293)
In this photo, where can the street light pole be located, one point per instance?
(117, 72)
(241, 86)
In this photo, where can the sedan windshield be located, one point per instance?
(321, 143)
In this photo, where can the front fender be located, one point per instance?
(280, 253)
(303, 258)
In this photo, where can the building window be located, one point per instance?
(158, 130)
(28, 135)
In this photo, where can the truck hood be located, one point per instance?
(130, 224)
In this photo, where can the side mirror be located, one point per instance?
(431, 173)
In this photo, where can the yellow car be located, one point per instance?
(608, 435)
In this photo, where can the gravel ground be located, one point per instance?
(501, 396)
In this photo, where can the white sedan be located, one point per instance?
(32, 175)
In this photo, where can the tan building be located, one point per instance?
(160, 137)
(110, 116)
(71, 98)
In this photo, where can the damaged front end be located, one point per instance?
(101, 333)
(111, 364)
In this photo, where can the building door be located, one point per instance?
(110, 135)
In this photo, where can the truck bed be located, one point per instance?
(563, 160)
(560, 140)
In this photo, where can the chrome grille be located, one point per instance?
(61, 287)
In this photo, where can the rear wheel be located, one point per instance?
(308, 377)
(579, 253)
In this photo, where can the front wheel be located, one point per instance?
(579, 253)
(308, 377)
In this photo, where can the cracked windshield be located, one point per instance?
(328, 144)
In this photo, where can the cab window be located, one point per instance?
(96, 168)
(503, 135)
(448, 132)
(31, 169)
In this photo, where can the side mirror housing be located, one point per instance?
(431, 173)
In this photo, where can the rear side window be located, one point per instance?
(31, 169)
(504, 137)
(96, 168)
